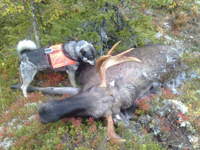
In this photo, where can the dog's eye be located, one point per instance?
(90, 58)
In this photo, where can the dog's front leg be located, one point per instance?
(71, 70)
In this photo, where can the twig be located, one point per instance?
(3, 55)
(75, 38)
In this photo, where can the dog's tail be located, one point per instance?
(25, 45)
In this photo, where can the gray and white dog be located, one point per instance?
(34, 60)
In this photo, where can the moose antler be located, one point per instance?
(106, 61)
(101, 59)
(103, 63)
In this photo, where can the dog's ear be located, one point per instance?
(91, 40)
(82, 51)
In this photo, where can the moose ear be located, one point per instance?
(91, 40)
(82, 51)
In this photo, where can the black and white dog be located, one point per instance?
(66, 56)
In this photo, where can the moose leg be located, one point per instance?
(114, 138)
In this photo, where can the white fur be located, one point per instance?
(118, 117)
(25, 44)
(112, 83)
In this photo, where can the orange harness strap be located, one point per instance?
(58, 59)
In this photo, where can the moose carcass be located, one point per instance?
(106, 93)
(160, 63)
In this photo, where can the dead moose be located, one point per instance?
(114, 84)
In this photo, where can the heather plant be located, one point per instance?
(52, 79)
(155, 3)
(143, 105)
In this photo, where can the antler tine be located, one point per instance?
(112, 49)
(101, 59)
(99, 62)
(114, 138)
(106, 61)
(111, 61)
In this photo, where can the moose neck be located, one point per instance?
(73, 106)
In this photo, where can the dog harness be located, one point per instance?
(57, 58)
